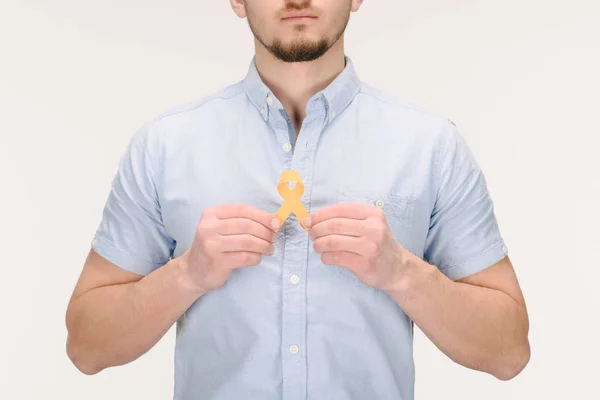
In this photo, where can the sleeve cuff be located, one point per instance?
(477, 263)
(121, 258)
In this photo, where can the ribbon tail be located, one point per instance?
(301, 213)
(283, 212)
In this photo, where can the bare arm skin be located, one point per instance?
(480, 321)
(115, 316)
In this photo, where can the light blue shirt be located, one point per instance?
(293, 328)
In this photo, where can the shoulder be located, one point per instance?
(401, 106)
(174, 121)
(407, 114)
(201, 104)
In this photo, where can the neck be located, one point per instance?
(295, 83)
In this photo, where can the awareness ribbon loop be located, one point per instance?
(291, 197)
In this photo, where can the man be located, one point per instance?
(401, 230)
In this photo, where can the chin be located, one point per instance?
(301, 40)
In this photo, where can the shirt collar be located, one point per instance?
(337, 95)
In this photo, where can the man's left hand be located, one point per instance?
(358, 237)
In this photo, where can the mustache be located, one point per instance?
(297, 5)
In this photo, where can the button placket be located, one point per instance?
(295, 263)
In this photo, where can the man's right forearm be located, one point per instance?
(114, 325)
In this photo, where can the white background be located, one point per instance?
(519, 77)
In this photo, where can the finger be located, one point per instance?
(245, 242)
(340, 243)
(241, 259)
(244, 211)
(338, 226)
(344, 259)
(341, 210)
(238, 226)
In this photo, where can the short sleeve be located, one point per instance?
(131, 233)
(464, 236)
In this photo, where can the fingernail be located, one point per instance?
(307, 222)
(271, 250)
(275, 223)
(274, 239)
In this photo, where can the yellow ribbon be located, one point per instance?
(291, 198)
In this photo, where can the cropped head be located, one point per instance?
(296, 30)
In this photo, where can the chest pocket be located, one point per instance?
(399, 210)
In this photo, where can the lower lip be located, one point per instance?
(298, 19)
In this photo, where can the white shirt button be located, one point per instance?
(287, 147)
(294, 279)
(333, 114)
(505, 249)
(269, 100)
(262, 111)
(379, 203)
(294, 349)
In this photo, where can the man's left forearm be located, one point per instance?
(480, 328)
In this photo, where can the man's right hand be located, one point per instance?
(227, 237)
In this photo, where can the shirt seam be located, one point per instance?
(133, 257)
(473, 257)
(192, 107)
(441, 149)
(400, 104)
(147, 154)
